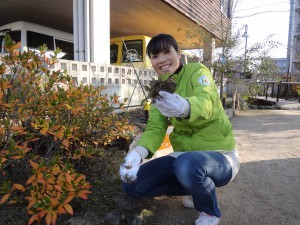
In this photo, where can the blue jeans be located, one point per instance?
(191, 173)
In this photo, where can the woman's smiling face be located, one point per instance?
(166, 61)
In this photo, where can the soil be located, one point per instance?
(265, 191)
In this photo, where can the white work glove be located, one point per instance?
(129, 169)
(172, 105)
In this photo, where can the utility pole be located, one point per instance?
(245, 35)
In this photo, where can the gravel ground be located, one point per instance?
(266, 189)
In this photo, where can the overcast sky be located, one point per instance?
(265, 17)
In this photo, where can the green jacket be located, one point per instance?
(207, 128)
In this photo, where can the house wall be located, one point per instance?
(208, 13)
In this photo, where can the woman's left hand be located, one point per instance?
(172, 105)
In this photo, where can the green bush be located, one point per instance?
(45, 118)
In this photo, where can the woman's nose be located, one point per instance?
(161, 58)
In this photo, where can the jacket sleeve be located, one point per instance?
(203, 95)
(155, 131)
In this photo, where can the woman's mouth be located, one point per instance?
(165, 67)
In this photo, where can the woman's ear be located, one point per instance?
(179, 54)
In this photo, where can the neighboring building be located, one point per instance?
(282, 64)
(293, 54)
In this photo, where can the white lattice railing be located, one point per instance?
(117, 79)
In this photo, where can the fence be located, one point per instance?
(127, 82)
(286, 90)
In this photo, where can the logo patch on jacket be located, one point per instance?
(203, 80)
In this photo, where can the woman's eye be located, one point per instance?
(154, 57)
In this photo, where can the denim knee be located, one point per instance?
(186, 170)
(131, 190)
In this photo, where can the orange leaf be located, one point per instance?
(66, 143)
(32, 219)
(34, 165)
(58, 188)
(87, 186)
(49, 187)
(61, 210)
(48, 218)
(80, 178)
(69, 198)
(3, 160)
(41, 214)
(11, 202)
(54, 218)
(68, 208)
(30, 179)
(82, 194)
(19, 187)
(4, 198)
(68, 178)
(43, 132)
(31, 203)
(16, 128)
(54, 202)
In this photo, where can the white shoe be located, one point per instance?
(187, 201)
(205, 219)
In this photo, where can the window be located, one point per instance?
(66, 47)
(74, 66)
(35, 40)
(14, 35)
(113, 53)
(75, 80)
(84, 80)
(134, 51)
(225, 7)
(1, 43)
(84, 67)
(63, 66)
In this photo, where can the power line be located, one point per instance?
(260, 13)
(262, 6)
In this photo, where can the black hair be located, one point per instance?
(161, 42)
